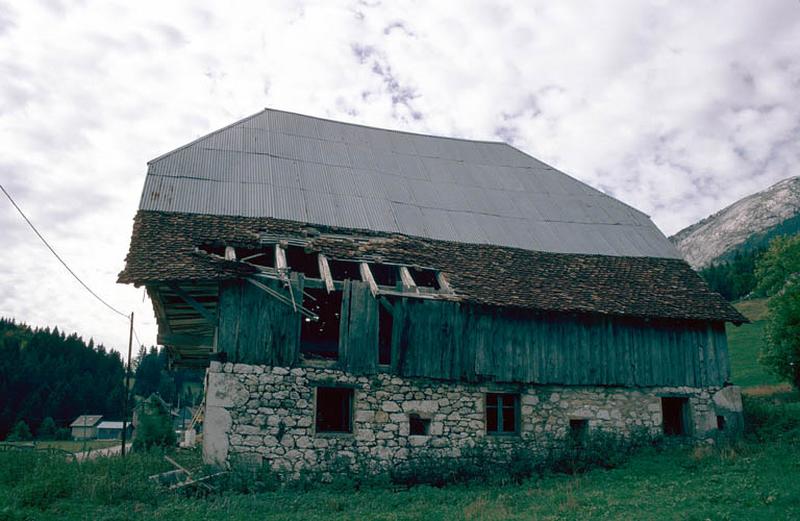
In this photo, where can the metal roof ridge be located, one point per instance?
(204, 136)
(491, 142)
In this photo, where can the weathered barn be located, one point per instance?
(371, 292)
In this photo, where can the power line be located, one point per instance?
(95, 295)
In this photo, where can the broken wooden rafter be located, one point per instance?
(230, 253)
(300, 309)
(444, 285)
(211, 319)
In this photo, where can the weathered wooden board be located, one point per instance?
(457, 341)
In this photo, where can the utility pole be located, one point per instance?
(127, 390)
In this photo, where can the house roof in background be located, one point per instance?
(287, 166)
(86, 420)
(111, 425)
(163, 248)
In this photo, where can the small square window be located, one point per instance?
(418, 426)
(334, 409)
(502, 413)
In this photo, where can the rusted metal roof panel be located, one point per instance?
(316, 171)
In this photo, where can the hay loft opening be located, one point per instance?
(320, 338)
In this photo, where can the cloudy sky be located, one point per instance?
(678, 108)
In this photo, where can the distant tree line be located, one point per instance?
(47, 379)
(45, 374)
(735, 278)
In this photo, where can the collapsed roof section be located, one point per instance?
(287, 166)
(176, 247)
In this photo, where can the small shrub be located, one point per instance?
(47, 429)
(20, 432)
(248, 477)
(63, 434)
(768, 418)
(155, 426)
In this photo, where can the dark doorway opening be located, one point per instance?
(674, 411)
(578, 428)
(320, 338)
(334, 409)
(720, 422)
(385, 324)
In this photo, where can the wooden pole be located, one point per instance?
(127, 389)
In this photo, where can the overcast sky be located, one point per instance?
(677, 108)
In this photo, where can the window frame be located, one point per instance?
(501, 410)
(351, 394)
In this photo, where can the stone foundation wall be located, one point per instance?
(268, 413)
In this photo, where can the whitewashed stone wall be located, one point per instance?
(267, 413)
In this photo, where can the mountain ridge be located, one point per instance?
(748, 223)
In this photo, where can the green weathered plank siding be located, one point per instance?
(457, 341)
(359, 353)
(254, 327)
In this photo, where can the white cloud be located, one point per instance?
(677, 108)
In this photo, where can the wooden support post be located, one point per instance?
(366, 276)
(325, 272)
(385, 303)
(408, 280)
(205, 313)
(230, 253)
(127, 389)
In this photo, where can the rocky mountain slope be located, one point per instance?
(748, 223)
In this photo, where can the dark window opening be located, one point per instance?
(578, 428)
(320, 339)
(261, 257)
(674, 411)
(425, 278)
(334, 409)
(344, 270)
(383, 274)
(385, 324)
(418, 426)
(720, 422)
(502, 413)
(298, 259)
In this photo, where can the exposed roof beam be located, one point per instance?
(366, 276)
(408, 280)
(443, 284)
(160, 309)
(206, 314)
(325, 272)
(230, 253)
(280, 257)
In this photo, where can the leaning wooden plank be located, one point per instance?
(280, 257)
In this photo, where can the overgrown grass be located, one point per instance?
(757, 478)
(744, 344)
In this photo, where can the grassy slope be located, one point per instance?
(754, 482)
(744, 343)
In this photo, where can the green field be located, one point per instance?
(744, 344)
(67, 445)
(749, 481)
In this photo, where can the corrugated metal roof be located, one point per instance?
(289, 166)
